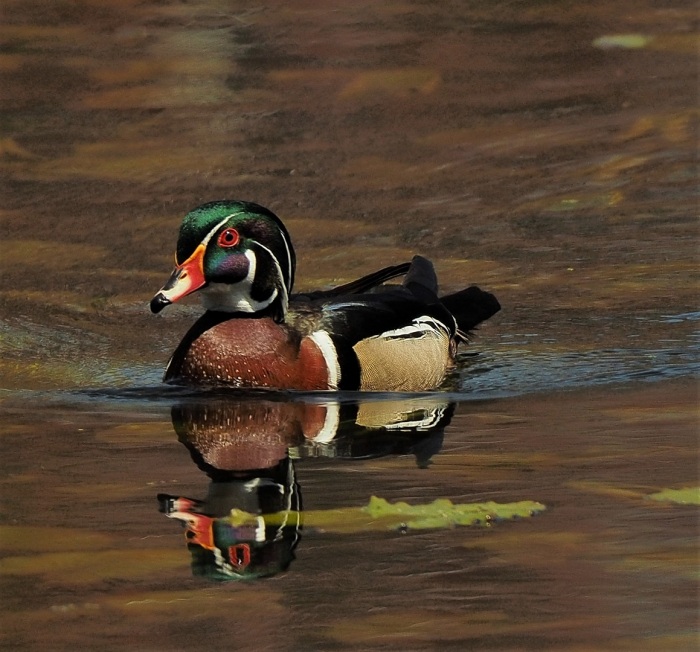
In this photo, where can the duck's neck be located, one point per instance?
(223, 297)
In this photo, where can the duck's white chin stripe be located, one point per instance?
(235, 297)
(222, 297)
(325, 344)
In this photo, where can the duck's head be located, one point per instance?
(237, 254)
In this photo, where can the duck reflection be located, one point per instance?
(223, 548)
(249, 523)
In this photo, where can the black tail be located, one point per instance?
(470, 307)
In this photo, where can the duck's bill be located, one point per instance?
(158, 302)
(184, 280)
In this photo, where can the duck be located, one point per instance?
(365, 335)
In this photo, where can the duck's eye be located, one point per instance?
(229, 238)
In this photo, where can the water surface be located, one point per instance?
(545, 151)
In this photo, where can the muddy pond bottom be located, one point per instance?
(549, 521)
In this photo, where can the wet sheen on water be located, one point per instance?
(545, 498)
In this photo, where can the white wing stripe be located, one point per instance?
(419, 326)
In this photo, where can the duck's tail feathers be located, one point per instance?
(372, 280)
(470, 307)
(361, 284)
(421, 280)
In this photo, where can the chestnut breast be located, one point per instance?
(251, 352)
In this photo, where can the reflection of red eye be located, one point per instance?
(229, 238)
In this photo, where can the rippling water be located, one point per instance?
(508, 363)
(544, 151)
(522, 364)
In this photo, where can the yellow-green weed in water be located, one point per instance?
(685, 496)
(380, 514)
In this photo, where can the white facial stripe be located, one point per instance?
(211, 233)
(283, 288)
(289, 256)
(325, 344)
(252, 266)
(227, 297)
(236, 297)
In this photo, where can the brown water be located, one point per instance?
(544, 150)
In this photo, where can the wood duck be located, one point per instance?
(255, 333)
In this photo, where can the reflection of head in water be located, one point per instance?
(230, 534)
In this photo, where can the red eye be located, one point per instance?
(229, 238)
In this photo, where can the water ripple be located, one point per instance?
(519, 371)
